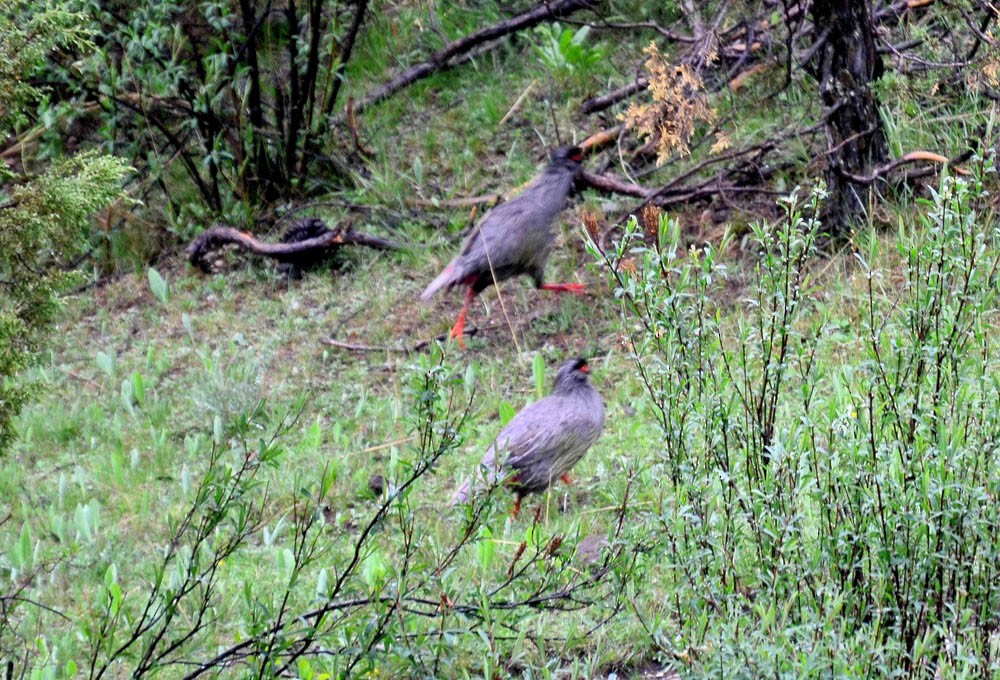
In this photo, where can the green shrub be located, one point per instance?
(223, 107)
(43, 216)
(828, 483)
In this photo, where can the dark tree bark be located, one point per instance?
(846, 64)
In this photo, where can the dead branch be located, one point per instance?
(466, 202)
(667, 33)
(295, 252)
(352, 125)
(451, 53)
(599, 140)
(595, 104)
(912, 157)
(382, 349)
(613, 185)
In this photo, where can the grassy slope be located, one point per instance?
(221, 343)
(262, 339)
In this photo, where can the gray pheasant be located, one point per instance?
(514, 238)
(544, 440)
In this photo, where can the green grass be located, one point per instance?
(100, 477)
(729, 553)
(218, 347)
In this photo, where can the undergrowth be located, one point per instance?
(787, 486)
(824, 497)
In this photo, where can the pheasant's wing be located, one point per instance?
(488, 247)
(541, 430)
(494, 230)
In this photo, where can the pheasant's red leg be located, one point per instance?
(517, 508)
(459, 328)
(577, 288)
(566, 478)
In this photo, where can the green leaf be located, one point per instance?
(186, 483)
(506, 413)
(418, 170)
(138, 388)
(470, 378)
(115, 595)
(87, 519)
(158, 285)
(106, 361)
(322, 584)
(286, 562)
(532, 535)
(374, 571)
(485, 548)
(218, 429)
(538, 371)
(565, 40)
(128, 396)
(23, 552)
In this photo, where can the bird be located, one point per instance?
(514, 238)
(544, 440)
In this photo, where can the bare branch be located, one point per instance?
(912, 157)
(449, 55)
(595, 104)
(614, 185)
(296, 251)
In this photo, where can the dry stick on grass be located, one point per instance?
(613, 185)
(601, 139)
(417, 346)
(420, 344)
(485, 199)
(199, 249)
(912, 157)
(452, 53)
(606, 101)
(517, 104)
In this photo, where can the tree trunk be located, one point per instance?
(845, 65)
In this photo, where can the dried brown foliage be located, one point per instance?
(678, 105)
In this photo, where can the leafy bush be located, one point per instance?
(828, 498)
(221, 106)
(565, 51)
(44, 216)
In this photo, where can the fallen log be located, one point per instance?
(319, 243)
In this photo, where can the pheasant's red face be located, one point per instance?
(584, 369)
(577, 157)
